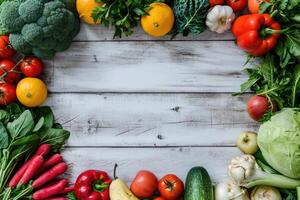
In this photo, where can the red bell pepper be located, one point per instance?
(257, 34)
(92, 185)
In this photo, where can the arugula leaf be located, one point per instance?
(21, 126)
(296, 84)
(4, 138)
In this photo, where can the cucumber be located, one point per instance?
(198, 185)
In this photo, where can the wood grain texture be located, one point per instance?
(100, 33)
(159, 160)
(190, 66)
(152, 119)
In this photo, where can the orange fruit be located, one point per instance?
(85, 9)
(31, 92)
(159, 21)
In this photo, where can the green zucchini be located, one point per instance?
(198, 185)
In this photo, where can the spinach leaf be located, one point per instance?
(47, 114)
(21, 126)
(190, 16)
(4, 137)
(39, 124)
(53, 136)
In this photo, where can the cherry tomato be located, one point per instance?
(7, 93)
(6, 49)
(237, 5)
(257, 106)
(216, 2)
(144, 184)
(253, 5)
(170, 187)
(31, 66)
(8, 66)
(159, 198)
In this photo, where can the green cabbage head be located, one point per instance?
(279, 141)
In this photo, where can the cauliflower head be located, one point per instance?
(40, 27)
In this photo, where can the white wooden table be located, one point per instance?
(146, 103)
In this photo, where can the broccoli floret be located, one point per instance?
(31, 10)
(41, 27)
(32, 33)
(19, 43)
(10, 19)
(43, 53)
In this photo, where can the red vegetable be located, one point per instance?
(31, 66)
(6, 49)
(144, 184)
(53, 160)
(57, 198)
(257, 34)
(92, 184)
(50, 174)
(67, 190)
(253, 5)
(51, 190)
(237, 5)
(7, 93)
(32, 169)
(170, 187)
(257, 106)
(42, 151)
(9, 72)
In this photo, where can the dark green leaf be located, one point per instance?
(21, 126)
(55, 137)
(4, 116)
(248, 84)
(39, 124)
(4, 137)
(47, 114)
(296, 85)
(190, 16)
(14, 110)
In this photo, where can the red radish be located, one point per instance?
(51, 190)
(57, 198)
(67, 190)
(32, 169)
(50, 174)
(257, 106)
(53, 160)
(42, 150)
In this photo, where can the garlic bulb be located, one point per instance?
(220, 18)
(265, 193)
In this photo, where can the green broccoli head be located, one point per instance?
(41, 27)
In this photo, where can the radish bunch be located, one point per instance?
(38, 177)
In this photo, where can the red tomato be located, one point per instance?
(144, 184)
(253, 5)
(159, 198)
(8, 66)
(237, 5)
(216, 2)
(31, 66)
(170, 187)
(6, 49)
(257, 106)
(7, 93)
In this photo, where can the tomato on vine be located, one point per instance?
(9, 71)
(7, 93)
(6, 49)
(237, 5)
(31, 66)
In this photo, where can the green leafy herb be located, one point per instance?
(190, 16)
(123, 15)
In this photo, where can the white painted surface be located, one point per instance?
(148, 103)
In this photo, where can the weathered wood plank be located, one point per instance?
(152, 119)
(100, 33)
(198, 66)
(159, 160)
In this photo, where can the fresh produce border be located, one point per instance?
(31, 166)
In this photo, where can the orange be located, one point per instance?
(31, 92)
(159, 21)
(85, 9)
